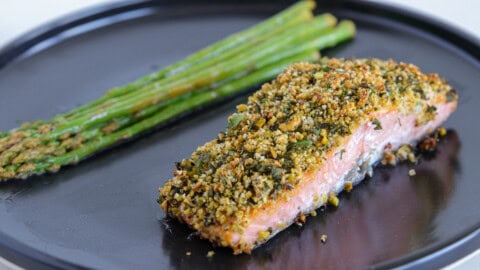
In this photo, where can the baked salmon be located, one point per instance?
(299, 140)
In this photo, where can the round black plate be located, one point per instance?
(102, 213)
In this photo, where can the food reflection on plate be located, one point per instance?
(381, 219)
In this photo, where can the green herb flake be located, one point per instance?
(431, 109)
(303, 144)
(277, 173)
(203, 159)
(235, 120)
(389, 91)
(451, 95)
(377, 124)
(420, 93)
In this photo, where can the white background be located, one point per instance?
(19, 16)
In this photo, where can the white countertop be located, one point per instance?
(20, 16)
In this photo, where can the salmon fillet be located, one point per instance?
(298, 141)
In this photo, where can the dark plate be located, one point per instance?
(102, 213)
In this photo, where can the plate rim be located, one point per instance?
(22, 46)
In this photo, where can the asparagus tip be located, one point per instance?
(349, 25)
(311, 4)
(331, 20)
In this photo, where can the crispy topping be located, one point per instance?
(442, 132)
(210, 254)
(263, 235)
(348, 186)
(323, 238)
(410, 153)
(333, 199)
(428, 144)
(286, 130)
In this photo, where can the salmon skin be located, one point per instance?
(314, 130)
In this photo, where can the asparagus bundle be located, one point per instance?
(240, 61)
